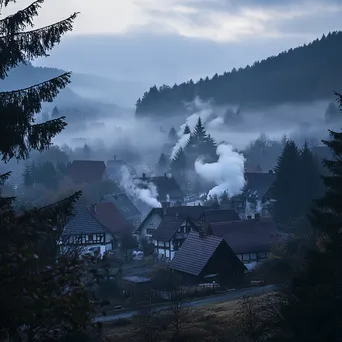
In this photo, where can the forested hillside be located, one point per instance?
(310, 72)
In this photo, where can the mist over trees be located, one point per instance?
(268, 82)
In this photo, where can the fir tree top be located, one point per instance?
(187, 130)
(19, 45)
(199, 130)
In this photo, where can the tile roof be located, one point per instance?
(196, 251)
(169, 226)
(165, 186)
(111, 218)
(186, 212)
(123, 204)
(83, 222)
(220, 215)
(86, 170)
(247, 236)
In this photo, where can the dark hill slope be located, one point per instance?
(307, 73)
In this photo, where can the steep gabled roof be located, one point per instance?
(123, 204)
(247, 236)
(186, 212)
(196, 252)
(166, 186)
(220, 215)
(86, 170)
(169, 226)
(111, 218)
(83, 222)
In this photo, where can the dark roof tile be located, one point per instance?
(247, 236)
(220, 215)
(196, 251)
(83, 222)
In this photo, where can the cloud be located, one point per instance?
(217, 20)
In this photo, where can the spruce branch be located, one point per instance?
(20, 20)
(22, 47)
(29, 99)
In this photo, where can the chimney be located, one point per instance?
(201, 234)
(164, 207)
(144, 175)
(270, 172)
(165, 175)
(114, 157)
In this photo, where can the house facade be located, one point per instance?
(170, 235)
(153, 219)
(255, 199)
(204, 256)
(84, 231)
(96, 229)
(251, 240)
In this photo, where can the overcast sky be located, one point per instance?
(167, 41)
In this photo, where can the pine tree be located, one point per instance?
(178, 163)
(55, 113)
(313, 311)
(172, 135)
(311, 186)
(187, 130)
(42, 293)
(199, 133)
(287, 184)
(27, 176)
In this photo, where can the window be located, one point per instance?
(90, 237)
(150, 231)
(188, 229)
(182, 229)
(262, 255)
(245, 257)
(253, 256)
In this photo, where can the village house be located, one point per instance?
(255, 198)
(153, 219)
(167, 188)
(171, 233)
(207, 258)
(123, 203)
(219, 215)
(95, 229)
(86, 171)
(251, 240)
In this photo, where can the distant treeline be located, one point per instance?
(306, 73)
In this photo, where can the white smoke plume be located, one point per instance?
(227, 173)
(181, 143)
(201, 110)
(132, 188)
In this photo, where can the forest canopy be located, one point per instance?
(313, 68)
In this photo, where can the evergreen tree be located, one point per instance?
(287, 184)
(55, 113)
(199, 133)
(332, 113)
(172, 135)
(187, 130)
(313, 311)
(311, 186)
(178, 163)
(42, 294)
(27, 176)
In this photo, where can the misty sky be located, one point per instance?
(167, 41)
